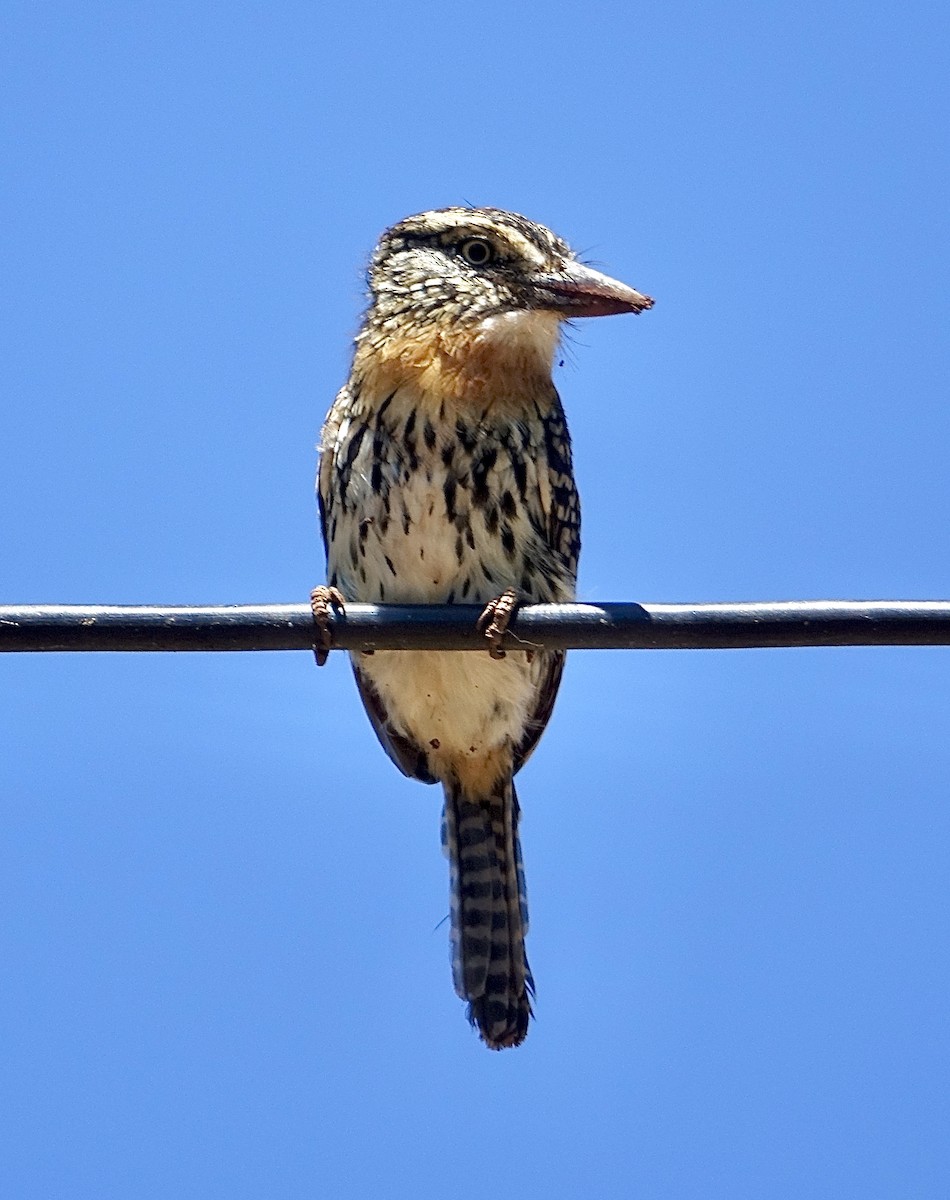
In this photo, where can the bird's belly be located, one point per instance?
(460, 705)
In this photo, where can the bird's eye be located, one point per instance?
(477, 252)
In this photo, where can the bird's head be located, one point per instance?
(467, 283)
(465, 264)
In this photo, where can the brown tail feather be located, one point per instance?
(489, 911)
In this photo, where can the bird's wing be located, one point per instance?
(329, 440)
(561, 502)
(543, 705)
(561, 505)
(408, 757)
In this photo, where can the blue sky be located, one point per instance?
(222, 975)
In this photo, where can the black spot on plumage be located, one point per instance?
(562, 498)
(476, 891)
(448, 491)
(469, 537)
(508, 506)
(389, 563)
(496, 1011)
(376, 478)
(508, 541)
(466, 436)
(352, 449)
(459, 549)
(520, 469)
(409, 441)
(481, 469)
(448, 453)
(466, 588)
(406, 523)
(381, 411)
(468, 811)
(491, 519)
(428, 434)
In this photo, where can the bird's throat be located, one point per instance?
(503, 360)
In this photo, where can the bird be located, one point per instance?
(445, 477)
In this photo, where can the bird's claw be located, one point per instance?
(494, 621)
(322, 600)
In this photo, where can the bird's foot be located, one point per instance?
(494, 621)
(322, 600)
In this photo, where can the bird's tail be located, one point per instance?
(489, 911)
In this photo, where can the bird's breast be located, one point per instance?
(423, 509)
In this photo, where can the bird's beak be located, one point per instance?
(579, 291)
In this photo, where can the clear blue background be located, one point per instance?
(221, 972)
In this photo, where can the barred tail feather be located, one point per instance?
(489, 911)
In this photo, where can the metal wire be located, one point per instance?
(49, 627)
